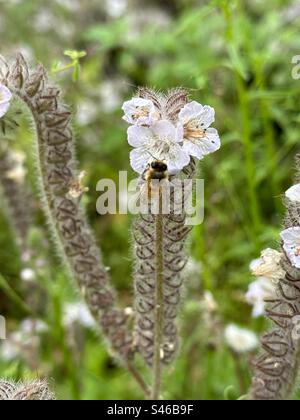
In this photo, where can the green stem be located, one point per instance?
(248, 147)
(269, 137)
(159, 303)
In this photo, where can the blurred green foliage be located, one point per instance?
(232, 54)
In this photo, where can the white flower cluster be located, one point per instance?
(5, 98)
(268, 271)
(154, 136)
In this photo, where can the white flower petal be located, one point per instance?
(179, 133)
(164, 130)
(195, 113)
(137, 136)
(291, 244)
(181, 161)
(139, 159)
(207, 117)
(293, 193)
(192, 149)
(5, 94)
(4, 108)
(259, 291)
(190, 111)
(258, 309)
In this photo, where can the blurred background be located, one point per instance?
(233, 55)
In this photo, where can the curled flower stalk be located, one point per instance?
(276, 369)
(57, 176)
(29, 391)
(168, 134)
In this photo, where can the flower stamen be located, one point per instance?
(194, 133)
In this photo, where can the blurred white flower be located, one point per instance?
(31, 326)
(5, 98)
(291, 12)
(78, 313)
(293, 193)
(10, 348)
(17, 172)
(111, 93)
(268, 265)
(291, 244)
(44, 20)
(129, 311)
(27, 274)
(199, 138)
(87, 112)
(140, 111)
(25, 342)
(259, 291)
(161, 142)
(116, 8)
(141, 18)
(17, 157)
(240, 340)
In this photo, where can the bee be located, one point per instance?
(156, 171)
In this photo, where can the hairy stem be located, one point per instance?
(159, 302)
